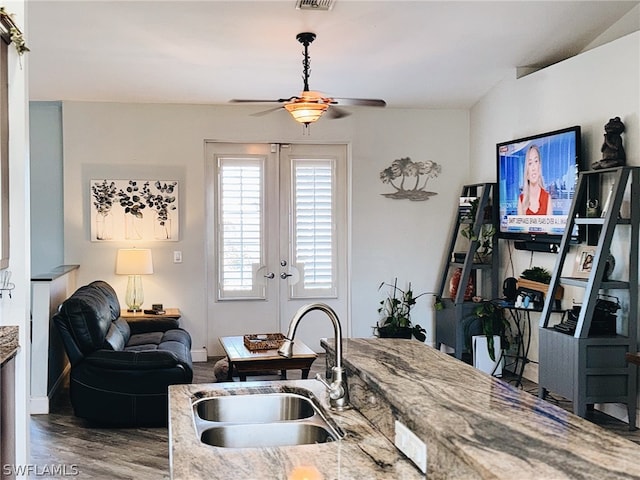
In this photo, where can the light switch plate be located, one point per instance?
(411, 445)
(177, 256)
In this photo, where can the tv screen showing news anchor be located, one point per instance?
(537, 178)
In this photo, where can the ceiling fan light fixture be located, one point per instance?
(306, 112)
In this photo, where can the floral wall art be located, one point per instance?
(409, 179)
(134, 210)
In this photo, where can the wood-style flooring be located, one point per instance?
(60, 439)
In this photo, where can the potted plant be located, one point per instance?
(484, 236)
(396, 314)
(492, 322)
(538, 278)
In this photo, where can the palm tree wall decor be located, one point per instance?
(399, 174)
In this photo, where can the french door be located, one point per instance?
(277, 238)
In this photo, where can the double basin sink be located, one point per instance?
(254, 420)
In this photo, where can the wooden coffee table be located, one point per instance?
(247, 361)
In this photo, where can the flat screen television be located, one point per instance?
(536, 183)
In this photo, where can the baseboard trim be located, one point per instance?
(199, 355)
(40, 405)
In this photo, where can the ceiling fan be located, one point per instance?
(309, 106)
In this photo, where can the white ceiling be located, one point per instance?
(432, 54)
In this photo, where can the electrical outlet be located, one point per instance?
(413, 447)
(177, 256)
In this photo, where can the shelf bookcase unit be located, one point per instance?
(593, 369)
(450, 319)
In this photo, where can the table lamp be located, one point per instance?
(134, 262)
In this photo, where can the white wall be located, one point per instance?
(388, 238)
(45, 126)
(585, 90)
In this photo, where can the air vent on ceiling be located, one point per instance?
(322, 5)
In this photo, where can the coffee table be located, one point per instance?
(255, 361)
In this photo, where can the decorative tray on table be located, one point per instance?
(263, 341)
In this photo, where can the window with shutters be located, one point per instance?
(313, 241)
(240, 227)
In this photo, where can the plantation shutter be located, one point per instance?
(241, 250)
(313, 221)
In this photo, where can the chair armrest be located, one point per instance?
(132, 360)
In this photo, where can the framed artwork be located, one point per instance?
(584, 261)
(134, 210)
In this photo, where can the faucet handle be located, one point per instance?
(336, 390)
(323, 381)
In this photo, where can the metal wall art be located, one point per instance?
(134, 210)
(409, 179)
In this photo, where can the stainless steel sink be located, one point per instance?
(256, 420)
(266, 435)
(273, 407)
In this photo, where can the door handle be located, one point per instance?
(270, 275)
(284, 275)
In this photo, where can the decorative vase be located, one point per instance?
(162, 228)
(104, 225)
(132, 227)
(455, 283)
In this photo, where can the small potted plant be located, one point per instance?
(492, 323)
(396, 314)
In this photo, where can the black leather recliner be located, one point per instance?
(120, 372)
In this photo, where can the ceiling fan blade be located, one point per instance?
(337, 112)
(242, 100)
(367, 102)
(265, 112)
(279, 100)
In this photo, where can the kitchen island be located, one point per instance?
(475, 425)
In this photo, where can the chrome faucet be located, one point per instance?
(338, 391)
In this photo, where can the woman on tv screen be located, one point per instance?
(534, 199)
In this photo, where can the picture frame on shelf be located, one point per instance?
(584, 261)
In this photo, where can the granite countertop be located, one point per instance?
(363, 453)
(475, 425)
(8, 342)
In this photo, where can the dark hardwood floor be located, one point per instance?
(60, 439)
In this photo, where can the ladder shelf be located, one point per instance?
(593, 369)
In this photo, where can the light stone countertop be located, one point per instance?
(475, 425)
(364, 453)
(8, 342)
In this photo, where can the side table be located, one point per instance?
(145, 322)
(246, 361)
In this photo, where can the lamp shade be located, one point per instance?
(306, 112)
(134, 261)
